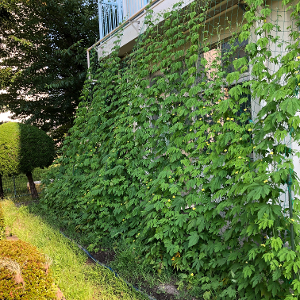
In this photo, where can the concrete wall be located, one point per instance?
(283, 19)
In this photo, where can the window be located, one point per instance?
(228, 58)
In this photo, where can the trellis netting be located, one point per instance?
(17, 186)
(187, 148)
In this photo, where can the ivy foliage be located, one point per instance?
(167, 154)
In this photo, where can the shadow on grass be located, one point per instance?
(103, 281)
(116, 254)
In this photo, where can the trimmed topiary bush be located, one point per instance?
(23, 148)
(9, 148)
(24, 273)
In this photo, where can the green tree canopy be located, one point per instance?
(22, 149)
(43, 52)
(5, 73)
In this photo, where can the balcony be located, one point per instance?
(114, 12)
(128, 16)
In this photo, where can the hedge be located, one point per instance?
(24, 273)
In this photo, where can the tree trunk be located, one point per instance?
(1, 188)
(34, 193)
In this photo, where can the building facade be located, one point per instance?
(222, 20)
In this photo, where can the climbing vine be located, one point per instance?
(182, 154)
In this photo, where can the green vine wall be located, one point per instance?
(168, 153)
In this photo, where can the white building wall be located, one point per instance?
(134, 27)
(282, 18)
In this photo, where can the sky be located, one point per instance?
(4, 117)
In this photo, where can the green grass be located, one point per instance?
(76, 278)
(131, 265)
(128, 262)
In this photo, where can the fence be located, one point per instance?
(16, 185)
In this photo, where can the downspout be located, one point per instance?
(88, 55)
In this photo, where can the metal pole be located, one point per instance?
(120, 12)
(15, 190)
(125, 10)
(88, 58)
(88, 62)
(291, 217)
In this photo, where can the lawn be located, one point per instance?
(74, 274)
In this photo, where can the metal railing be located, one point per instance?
(114, 12)
(17, 186)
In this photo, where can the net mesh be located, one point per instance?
(187, 143)
(218, 44)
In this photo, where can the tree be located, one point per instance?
(43, 50)
(5, 73)
(22, 148)
(5, 15)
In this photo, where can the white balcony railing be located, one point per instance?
(114, 12)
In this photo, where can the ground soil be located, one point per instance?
(104, 257)
(166, 292)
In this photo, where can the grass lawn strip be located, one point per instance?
(76, 278)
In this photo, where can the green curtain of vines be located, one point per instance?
(184, 148)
